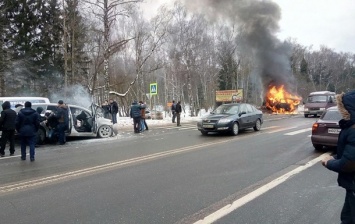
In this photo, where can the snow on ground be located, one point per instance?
(167, 119)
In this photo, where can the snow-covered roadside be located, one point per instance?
(123, 122)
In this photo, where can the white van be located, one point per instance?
(21, 100)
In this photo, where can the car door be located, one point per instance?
(96, 112)
(243, 118)
(251, 115)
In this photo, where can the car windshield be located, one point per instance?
(317, 99)
(333, 115)
(226, 109)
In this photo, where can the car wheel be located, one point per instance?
(41, 136)
(104, 131)
(306, 115)
(204, 132)
(235, 129)
(257, 126)
(318, 147)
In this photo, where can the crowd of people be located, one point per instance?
(26, 122)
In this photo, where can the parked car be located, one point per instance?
(231, 118)
(94, 123)
(325, 130)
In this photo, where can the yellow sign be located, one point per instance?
(234, 96)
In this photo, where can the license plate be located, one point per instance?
(208, 126)
(333, 131)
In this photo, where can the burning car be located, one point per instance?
(280, 101)
(231, 118)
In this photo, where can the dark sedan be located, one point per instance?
(231, 118)
(325, 130)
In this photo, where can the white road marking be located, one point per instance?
(299, 131)
(281, 129)
(256, 193)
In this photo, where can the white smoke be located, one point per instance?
(76, 95)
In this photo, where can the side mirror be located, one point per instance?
(241, 113)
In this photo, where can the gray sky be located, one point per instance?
(309, 22)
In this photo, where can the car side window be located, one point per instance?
(248, 109)
(242, 108)
(52, 108)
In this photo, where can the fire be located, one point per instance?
(278, 100)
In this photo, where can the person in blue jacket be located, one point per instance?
(344, 161)
(135, 113)
(27, 125)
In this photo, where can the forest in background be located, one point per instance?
(86, 51)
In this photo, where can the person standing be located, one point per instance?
(27, 125)
(7, 125)
(135, 113)
(63, 121)
(114, 110)
(178, 111)
(344, 161)
(173, 111)
(144, 125)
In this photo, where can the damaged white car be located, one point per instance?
(82, 121)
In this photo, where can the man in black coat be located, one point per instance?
(27, 125)
(7, 125)
(178, 111)
(114, 110)
(63, 121)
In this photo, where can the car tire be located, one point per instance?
(104, 131)
(306, 115)
(257, 126)
(204, 133)
(41, 136)
(318, 147)
(235, 129)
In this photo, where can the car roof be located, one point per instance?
(322, 93)
(55, 104)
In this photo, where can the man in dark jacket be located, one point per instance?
(63, 121)
(27, 124)
(114, 110)
(135, 113)
(7, 125)
(178, 111)
(344, 161)
(173, 111)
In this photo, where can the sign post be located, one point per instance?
(153, 89)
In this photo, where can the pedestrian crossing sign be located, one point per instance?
(153, 88)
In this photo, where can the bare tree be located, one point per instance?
(108, 12)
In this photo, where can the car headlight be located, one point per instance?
(224, 120)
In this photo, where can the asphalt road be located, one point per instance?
(174, 174)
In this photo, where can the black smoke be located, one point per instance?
(258, 22)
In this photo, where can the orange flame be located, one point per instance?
(278, 100)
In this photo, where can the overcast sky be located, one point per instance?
(309, 22)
